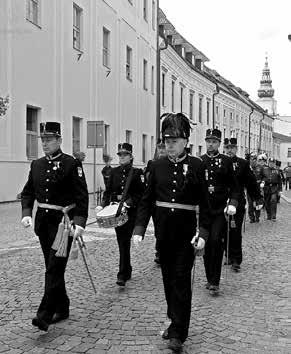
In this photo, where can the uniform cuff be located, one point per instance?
(139, 230)
(233, 202)
(80, 220)
(26, 212)
(203, 233)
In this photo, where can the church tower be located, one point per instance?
(266, 92)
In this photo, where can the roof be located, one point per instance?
(283, 138)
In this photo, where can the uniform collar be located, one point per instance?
(213, 156)
(126, 167)
(55, 155)
(178, 159)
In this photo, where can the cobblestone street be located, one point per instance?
(250, 316)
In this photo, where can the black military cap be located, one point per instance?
(230, 142)
(175, 126)
(278, 163)
(50, 129)
(213, 134)
(124, 148)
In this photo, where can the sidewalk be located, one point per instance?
(287, 195)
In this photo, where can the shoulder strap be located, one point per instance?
(127, 184)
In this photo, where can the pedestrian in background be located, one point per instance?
(106, 170)
(223, 194)
(246, 181)
(175, 186)
(287, 171)
(80, 156)
(114, 193)
(57, 183)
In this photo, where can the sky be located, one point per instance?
(235, 35)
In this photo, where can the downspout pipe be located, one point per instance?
(260, 136)
(213, 105)
(251, 112)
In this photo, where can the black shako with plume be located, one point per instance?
(175, 125)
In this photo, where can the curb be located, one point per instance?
(288, 200)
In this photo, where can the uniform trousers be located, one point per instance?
(235, 236)
(176, 261)
(254, 214)
(271, 199)
(214, 248)
(124, 233)
(55, 298)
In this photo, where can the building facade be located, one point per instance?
(73, 62)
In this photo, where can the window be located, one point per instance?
(145, 10)
(181, 97)
(144, 148)
(77, 17)
(128, 65)
(128, 136)
(153, 80)
(145, 74)
(33, 11)
(231, 116)
(31, 132)
(76, 134)
(163, 88)
(207, 112)
(106, 47)
(191, 97)
(289, 152)
(200, 109)
(191, 149)
(153, 14)
(199, 150)
(173, 96)
(106, 150)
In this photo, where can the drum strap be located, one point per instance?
(127, 184)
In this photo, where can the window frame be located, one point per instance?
(30, 12)
(106, 51)
(77, 10)
(128, 64)
(32, 135)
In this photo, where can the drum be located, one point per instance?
(107, 218)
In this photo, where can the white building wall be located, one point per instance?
(40, 67)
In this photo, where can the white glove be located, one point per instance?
(98, 208)
(259, 206)
(126, 205)
(137, 240)
(262, 184)
(230, 210)
(200, 244)
(79, 230)
(26, 221)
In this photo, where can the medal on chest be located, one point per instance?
(56, 165)
(185, 169)
(206, 175)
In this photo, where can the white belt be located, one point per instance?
(175, 205)
(65, 209)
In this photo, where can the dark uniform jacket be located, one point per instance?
(221, 183)
(181, 182)
(58, 181)
(116, 185)
(246, 179)
(271, 177)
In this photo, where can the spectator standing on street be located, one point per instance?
(106, 170)
(246, 181)
(58, 185)
(175, 186)
(114, 193)
(223, 194)
(287, 171)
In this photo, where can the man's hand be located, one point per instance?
(26, 221)
(137, 240)
(98, 208)
(198, 242)
(230, 210)
(262, 185)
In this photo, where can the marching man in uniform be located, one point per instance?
(223, 196)
(246, 180)
(116, 191)
(58, 185)
(272, 185)
(175, 186)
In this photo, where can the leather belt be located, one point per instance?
(65, 209)
(175, 205)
